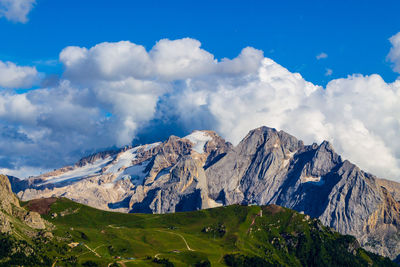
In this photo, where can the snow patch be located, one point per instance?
(199, 140)
(135, 173)
(79, 173)
(124, 159)
(119, 166)
(150, 146)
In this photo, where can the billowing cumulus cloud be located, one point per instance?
(16, 10)
(106, 61)
(114, 93)
(181, 59)
(13, 76)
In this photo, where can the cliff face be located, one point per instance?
(7, 198)
(11, 212)
(203, 171)
(270, 167)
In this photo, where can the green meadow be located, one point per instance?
(234, 235)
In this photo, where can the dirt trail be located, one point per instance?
(184, 240)
(115, 227)
(95, 253)
(123, 262)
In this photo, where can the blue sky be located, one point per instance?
(354, 34)
(78, 77)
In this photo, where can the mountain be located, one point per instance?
(202, 171)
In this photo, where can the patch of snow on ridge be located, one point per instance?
(313, 180)
(150, 146)
(199, 140)
(135, 173)
(125, 159)
(79, 173)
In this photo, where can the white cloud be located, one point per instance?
(328, 72)
(106, 61)
(321, 56)
(121, 78)
(17, 108)
(394, 54)
(13, 76)
(176, 87)
(16, 10)
(248, 61)
(181, 59)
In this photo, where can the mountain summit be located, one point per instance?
(202, 170)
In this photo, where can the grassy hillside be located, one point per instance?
(234, 236)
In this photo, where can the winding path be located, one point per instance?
(184, 240)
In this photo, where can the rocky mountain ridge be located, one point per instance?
(14, 218)
(202, 171)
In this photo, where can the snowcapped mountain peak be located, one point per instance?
(135, 165)
(199, 140)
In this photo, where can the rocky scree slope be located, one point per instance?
(202, 171)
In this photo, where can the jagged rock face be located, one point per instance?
(202, 171)
(392, 187)
(274, 167)
(158, 178)
(7, 197)
(381, 232)
(270, 167)
(10, 210)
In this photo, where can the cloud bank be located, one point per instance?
(113, 93)
(16, 10)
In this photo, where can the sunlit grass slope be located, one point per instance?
(234, 235)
